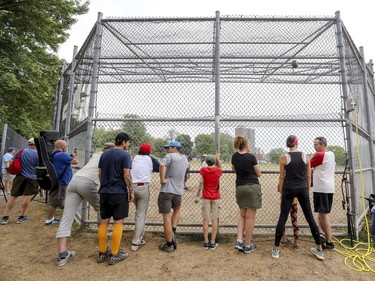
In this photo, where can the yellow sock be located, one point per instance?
(116, 238)
(102, 237)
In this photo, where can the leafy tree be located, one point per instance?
(30, 33)
(101, 136)
(186, 144)
(158, 147)
(204, 144)
(339, 151)
(226, 146)
(274, 154)
(137, 131)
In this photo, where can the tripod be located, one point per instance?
(2, 187)
(346, 202)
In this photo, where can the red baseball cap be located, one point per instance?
(145, 148)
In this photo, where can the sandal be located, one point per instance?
(120, 256)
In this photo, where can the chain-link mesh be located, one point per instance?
(204, 80)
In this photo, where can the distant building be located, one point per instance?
(247, 133)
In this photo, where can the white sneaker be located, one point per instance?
(319, 254)
(135, 247)
(64, 260)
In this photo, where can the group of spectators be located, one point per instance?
(111, 180)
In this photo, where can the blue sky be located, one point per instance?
(358, 17)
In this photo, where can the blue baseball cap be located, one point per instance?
(10, 148)
(173, 144)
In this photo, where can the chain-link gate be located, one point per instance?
(203, 80)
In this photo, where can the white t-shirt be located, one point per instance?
(324, 164)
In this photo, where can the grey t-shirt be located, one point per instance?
(176, 165)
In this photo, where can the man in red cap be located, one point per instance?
(142, 167)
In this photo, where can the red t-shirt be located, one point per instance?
(211, 176)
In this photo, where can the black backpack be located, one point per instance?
(45, 172)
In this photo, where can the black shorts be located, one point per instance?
(168, 201)
(24, 186)
(322, 202)
(114, 205)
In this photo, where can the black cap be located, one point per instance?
(122, 137)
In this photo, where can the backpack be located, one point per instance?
(15, 166)
(45, 172)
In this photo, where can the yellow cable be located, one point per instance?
(358, 257)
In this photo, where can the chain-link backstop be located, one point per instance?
(203, 80)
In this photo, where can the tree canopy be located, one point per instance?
(30, 34)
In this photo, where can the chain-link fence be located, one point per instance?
(204, 80)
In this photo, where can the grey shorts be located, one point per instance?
(57, 196)
(249, 196)
(168, 201)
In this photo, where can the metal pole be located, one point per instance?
(368, 112)
(348, 123)
(70, 95)
(59, 98)
(217, 81)
(4, 138)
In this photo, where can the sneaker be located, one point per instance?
(174, 240)
(249, 249)
(120, 256)
(53, 221)
(103, 256)
(319, 254)
(239, 246)
(275, 253)
(295, 246)
(322, 238)
(328, 246)
(63, 260)
(135, 247)
(22, 219)
(212, 246)
(4, 220)
(164, 247)
(206, 245)
(284, 243)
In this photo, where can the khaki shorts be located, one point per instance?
(24, 186)
(211, 209)
(249, 196)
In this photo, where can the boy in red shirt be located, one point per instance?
(211, 198)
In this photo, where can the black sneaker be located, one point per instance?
(103, 256)
(322, 238)
(328, 246)
(249, 249)
(164, 247)
(120, 256)
(22, 219)
(213, 246)
(239, 246)
(206, 245)
(4, 220)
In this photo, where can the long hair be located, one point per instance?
(291, 141)
(240, 142)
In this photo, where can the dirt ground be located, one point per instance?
(28, 252)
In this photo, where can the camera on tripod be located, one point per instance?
(371, 200)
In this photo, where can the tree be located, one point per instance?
(274, 155)
(226, 146)
(204, 144)
(186, 144)
(340, 155)
(101, 136)
(30, 33)
(137, 132)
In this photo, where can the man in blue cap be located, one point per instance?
(7, 178)
(172, 173)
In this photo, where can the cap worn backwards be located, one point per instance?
(31, 141)
(210, 160)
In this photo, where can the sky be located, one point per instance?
(358, 17)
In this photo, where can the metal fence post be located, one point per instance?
(59, 98)
(70, 95)
(368, 113)
(348, 123)
(92, 104)
(217, 81)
